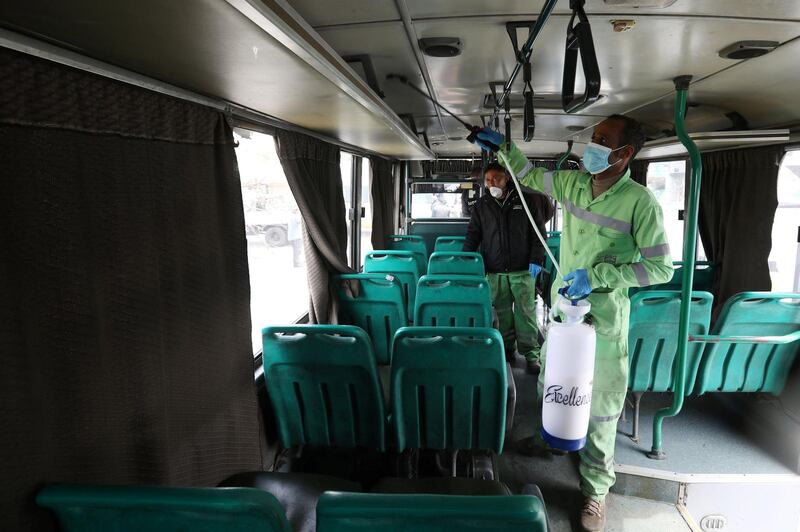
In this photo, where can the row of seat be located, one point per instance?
(750, 349)
(242, 509)
(448, 387)
(417, 243)
(382, 302)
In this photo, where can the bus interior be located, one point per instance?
(234, 295)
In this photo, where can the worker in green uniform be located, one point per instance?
(513, 257)
(613, 239)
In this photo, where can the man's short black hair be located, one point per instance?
(632, 133)
(497, 167)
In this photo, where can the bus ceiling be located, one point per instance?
(283, 61)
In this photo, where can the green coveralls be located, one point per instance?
(619, 239)
(514, 299)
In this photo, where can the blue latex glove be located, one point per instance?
(489, 136)
(534, 269)
(580, 286)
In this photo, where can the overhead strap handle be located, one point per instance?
(528, 118)
(579, 40)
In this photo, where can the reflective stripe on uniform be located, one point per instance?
(597, 219)
(548, 184)
(606, 418)
(655, 251)
(525, 169)
(641, 274)
(594, 462)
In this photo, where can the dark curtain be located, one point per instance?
(383, 204)
(738, 198)
(124, 302)
(312, 170)
(639, 171)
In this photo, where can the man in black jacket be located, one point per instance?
(513, 257)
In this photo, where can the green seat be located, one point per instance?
(703, 279)
(414, 244)
(449, 243)
(456, 262)
(653, 338)
(324, 386)
(448, 388)
(379, 308)
(82, 508)
(745, 366)
(653, 342)
(401, 264)
(453, 301)
(362, 512)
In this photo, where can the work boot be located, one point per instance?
(534, 446)
(593, 515)
(532, 366)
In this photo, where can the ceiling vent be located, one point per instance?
(747, 49)
(441, 46)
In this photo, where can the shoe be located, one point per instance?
(532, 366)
(593, 515)
(533, 447)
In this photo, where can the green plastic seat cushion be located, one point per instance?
(81, 508)
(456, 263)
(449, 243)
(453, 301)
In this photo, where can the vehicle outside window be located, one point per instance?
(278, 284)
(440, 200)
(784, 254)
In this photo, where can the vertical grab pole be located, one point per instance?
(689, 250)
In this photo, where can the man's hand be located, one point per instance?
(580, 286)
(488, 138)
(534, 269)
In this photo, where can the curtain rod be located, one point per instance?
(239, 115)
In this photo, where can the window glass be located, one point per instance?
(667, 181)
(784, 255)
(346, 166)
(278, 284)
(439, 200)
(366, 204)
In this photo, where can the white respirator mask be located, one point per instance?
(496, 192)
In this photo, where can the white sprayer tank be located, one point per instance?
(569, 371)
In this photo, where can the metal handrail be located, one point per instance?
(689, 249)
(725, 339)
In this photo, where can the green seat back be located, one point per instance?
(456, 262)
(653, 338)
(449, 243)
(362, 512)
(403, 265)
(81, 508)
(324, 386)
(730, 367)
(702, 282)
(378, 308)
(448, 388)
(453, 301)
(414, 244)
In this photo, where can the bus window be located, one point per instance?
(438, 200)
(783, 256)
(667, 181)
(346, 166)
(366, 204)
(278, 285)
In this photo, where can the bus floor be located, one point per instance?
(557, 477)
(708, 452)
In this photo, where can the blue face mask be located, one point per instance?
(595, 158)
